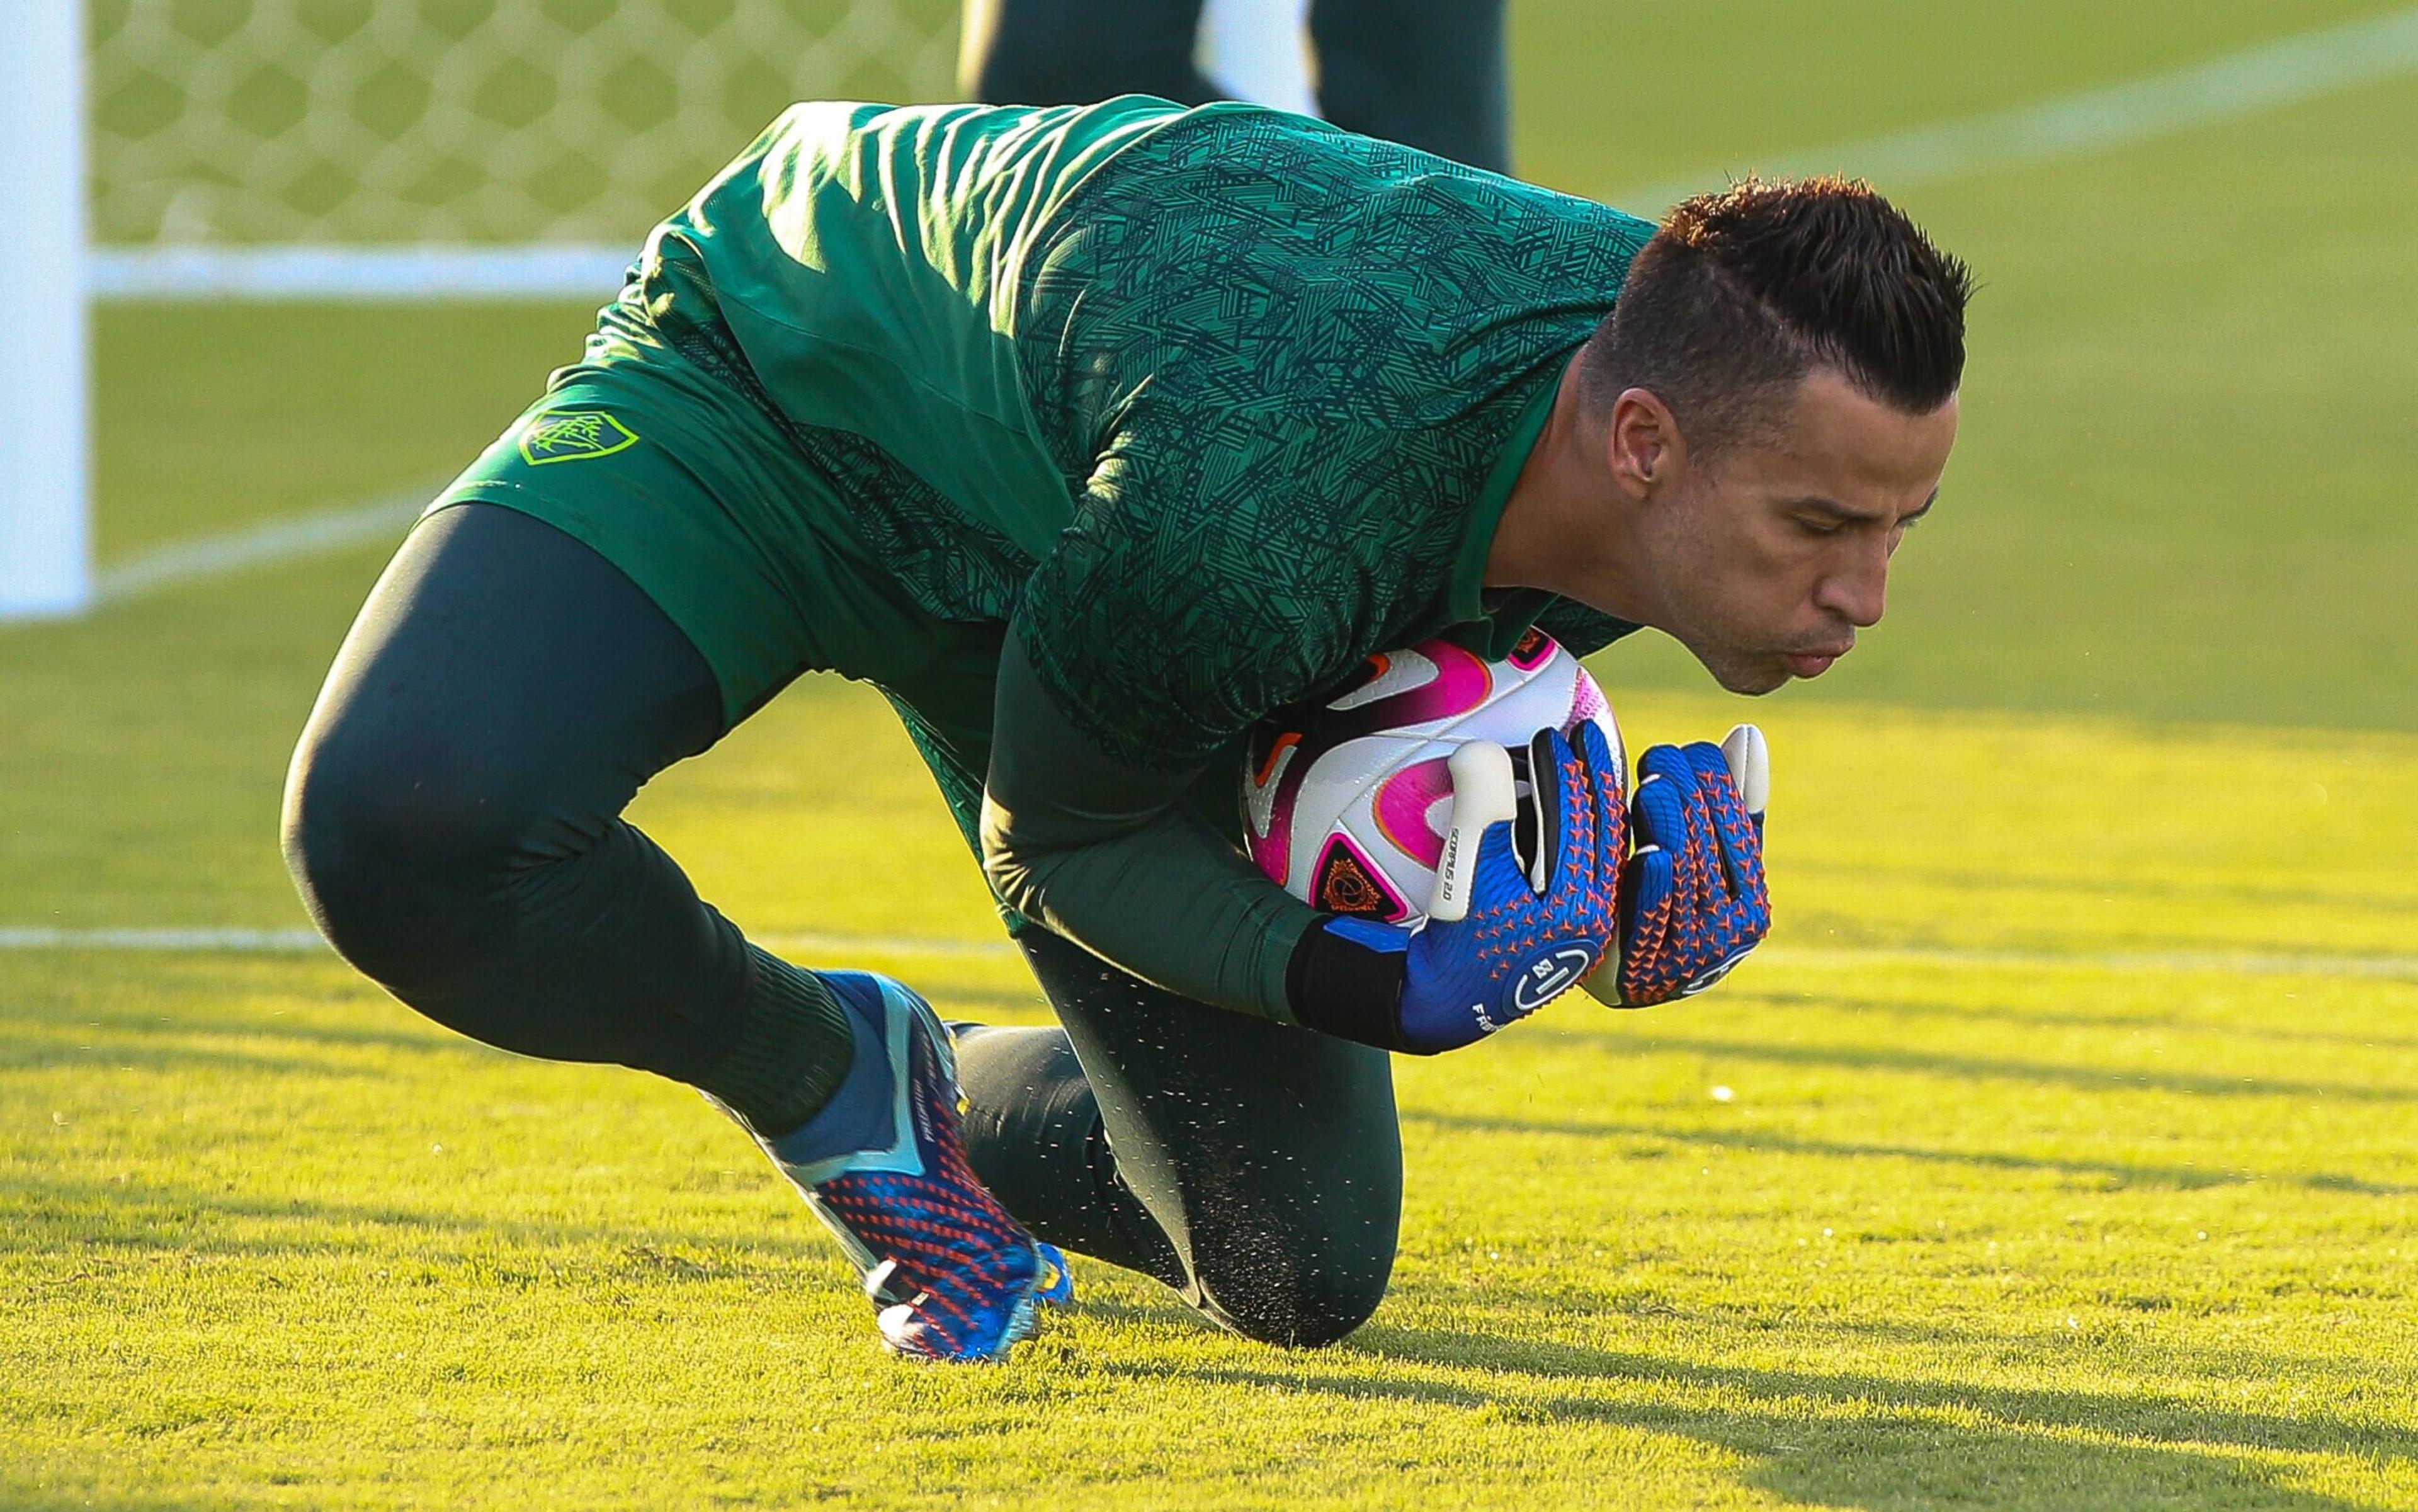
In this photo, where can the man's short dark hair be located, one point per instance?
(1740, 294)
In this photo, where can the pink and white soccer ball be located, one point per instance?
(1347, 805)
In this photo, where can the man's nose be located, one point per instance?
(1857, 592)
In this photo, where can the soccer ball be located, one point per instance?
(1347, 803)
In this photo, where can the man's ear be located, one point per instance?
(1642, 444)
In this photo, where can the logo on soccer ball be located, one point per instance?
(573, 437)
(1535, 649)
(1346, 883)
(1549, 976)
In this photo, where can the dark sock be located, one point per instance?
(860, 1114)
(792, 1052)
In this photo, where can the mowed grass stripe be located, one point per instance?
(284, 1248)
(2263, 78)
(208, 942)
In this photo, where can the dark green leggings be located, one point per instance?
(453, 819)
(1427, 73)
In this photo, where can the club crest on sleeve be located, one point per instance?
(573, 437)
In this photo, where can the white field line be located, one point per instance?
(2265, 77)
(826, 946)
(270, 544)
(365, 273)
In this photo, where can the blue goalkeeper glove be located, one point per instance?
(1501, 941)
(1693, 901)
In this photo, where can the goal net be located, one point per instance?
(446, 146)
(409, 149)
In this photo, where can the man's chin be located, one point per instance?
(1752, 675)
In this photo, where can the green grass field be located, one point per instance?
(2071, 1158)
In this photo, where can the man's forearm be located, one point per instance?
(1172, 902)
(1107, 856)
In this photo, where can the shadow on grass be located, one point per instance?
(2093, 887)
(73, 1033)
(28, 1489)
(1834, 1437)
(45, 1053)
(2184, 1178)
(144, 1216)
(1854, 1439)
(2004, 1015)
(1985, 1068)
(2079, 951)
(2150, 1419)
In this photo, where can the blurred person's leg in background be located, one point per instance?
(1075, 52)
(1429, 74)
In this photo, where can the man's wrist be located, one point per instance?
(1347, 982)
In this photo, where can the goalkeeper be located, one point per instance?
(1091, 435)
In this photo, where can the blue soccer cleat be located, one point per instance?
(1057, 1281)
(956, 1278)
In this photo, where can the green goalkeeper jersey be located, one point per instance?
(1204, 406)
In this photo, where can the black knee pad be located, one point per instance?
(1297, 1291)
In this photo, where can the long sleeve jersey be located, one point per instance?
(1197, 408)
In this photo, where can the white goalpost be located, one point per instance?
(362, 150)
(174, 150)
(45, 474)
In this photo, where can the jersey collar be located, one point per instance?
(1467, 601)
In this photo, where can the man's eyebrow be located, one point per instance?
(1816, 504)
